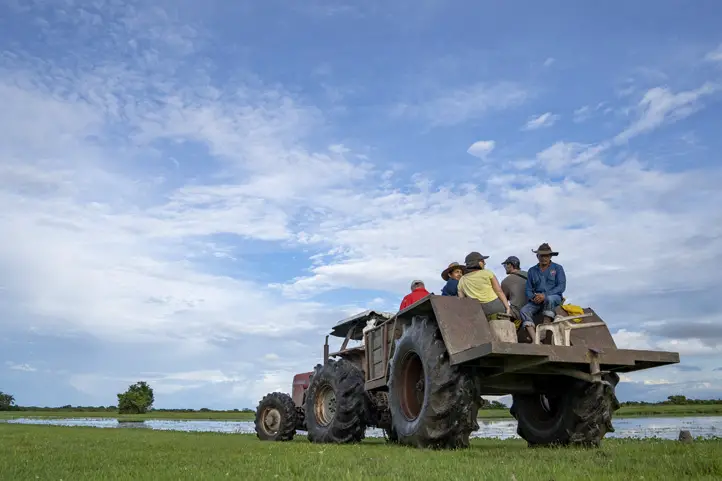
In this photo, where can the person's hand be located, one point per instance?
(541, 298)
(508, 310)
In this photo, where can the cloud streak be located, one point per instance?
(462, 104)
(546, 119)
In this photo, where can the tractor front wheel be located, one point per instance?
(433, 404)
(336, 403)
(579, 413)
(276, 417)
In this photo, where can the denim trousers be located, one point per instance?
(530, 309)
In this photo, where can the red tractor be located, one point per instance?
(419, 375)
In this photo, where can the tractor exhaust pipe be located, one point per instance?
(325, 352)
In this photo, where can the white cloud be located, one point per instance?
(118, 252)
(544, 120)
(20, 367)
(108, 235)
(660, 106)
(481, 148)
(714, 55)
(582, 114)
(462, 104)
(548, 62)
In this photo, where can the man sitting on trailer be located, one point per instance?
(418, 291)
(545, 285)
(514, 286)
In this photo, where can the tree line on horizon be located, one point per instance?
(139, 399)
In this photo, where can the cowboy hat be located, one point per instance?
(545, 249)
(454, 265)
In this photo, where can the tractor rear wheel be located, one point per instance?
(433, 404)
(580, 413)
(276, 417)
(336, 403)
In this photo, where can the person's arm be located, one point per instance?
(529, 291)
(505, 289)
(497, 288)
(561, 283)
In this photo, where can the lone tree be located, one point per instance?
(136, 400)
(7, 401)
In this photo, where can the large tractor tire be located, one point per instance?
(276, 417)
(433, 404)
(579, 414)
(336, 403)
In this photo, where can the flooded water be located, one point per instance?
(665, 428)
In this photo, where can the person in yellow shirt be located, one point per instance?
(482, 285)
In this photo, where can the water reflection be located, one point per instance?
(665, 428)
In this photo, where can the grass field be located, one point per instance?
(42, 452)
(630, 411)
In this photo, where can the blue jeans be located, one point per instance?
(530, 309)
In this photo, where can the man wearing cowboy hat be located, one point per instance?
(451, 275)
(545, 285)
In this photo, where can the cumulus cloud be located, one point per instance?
(481, 148)
(546, 119)
(97, 242)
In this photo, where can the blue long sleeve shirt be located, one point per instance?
(549, 282)
(451, 288)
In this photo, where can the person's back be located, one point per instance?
(481, 284)
(514, 287)
(514, 284)
(418, 291)
(477, 284)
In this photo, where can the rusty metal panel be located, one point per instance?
(590, 337)
(375, 352)
(580, 355)
(462, 323)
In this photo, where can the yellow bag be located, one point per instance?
(572, 309)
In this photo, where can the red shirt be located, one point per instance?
(413, 296)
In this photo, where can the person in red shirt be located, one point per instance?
(418, 291)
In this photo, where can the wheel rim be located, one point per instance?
(271, 420)
(325, 405)
(412, 386)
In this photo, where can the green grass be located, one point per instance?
(41, 452)
(624, 412)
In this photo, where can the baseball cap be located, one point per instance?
(513, 260)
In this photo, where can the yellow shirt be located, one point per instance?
(477, 284)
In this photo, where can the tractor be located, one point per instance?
(419, 375)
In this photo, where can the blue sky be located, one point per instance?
(193, 194)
